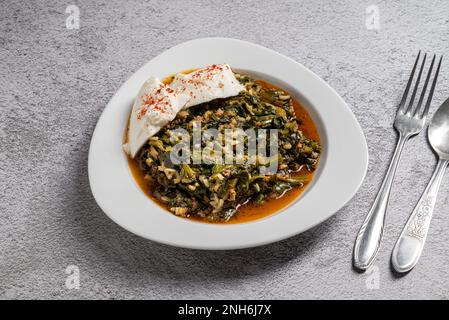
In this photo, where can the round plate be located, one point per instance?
(341, 170)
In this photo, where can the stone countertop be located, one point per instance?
(55, 81)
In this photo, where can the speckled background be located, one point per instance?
(54, 83)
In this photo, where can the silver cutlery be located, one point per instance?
(410, 244)
(409, 121)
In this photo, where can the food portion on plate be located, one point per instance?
(157, 103)
(224, 176)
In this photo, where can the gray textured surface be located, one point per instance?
(55, 82)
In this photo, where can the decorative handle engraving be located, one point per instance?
(417, 227)
(410, 244)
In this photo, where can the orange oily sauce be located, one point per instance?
(249, 211)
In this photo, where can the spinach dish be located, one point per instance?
(219, 192)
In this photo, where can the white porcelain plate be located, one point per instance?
(340, 172)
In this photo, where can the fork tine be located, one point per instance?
(429, 98)
(407, 88)
(423, 92)
(412, 99)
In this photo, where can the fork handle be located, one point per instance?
(408, 247)
(368, 239)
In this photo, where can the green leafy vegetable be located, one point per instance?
(215, 191)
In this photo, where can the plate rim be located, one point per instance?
(248, 242)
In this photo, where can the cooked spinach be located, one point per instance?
(215, 191)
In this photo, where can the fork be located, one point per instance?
(410, 120)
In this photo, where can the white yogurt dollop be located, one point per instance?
(157, 103)
(206, 84)
(155, 106)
